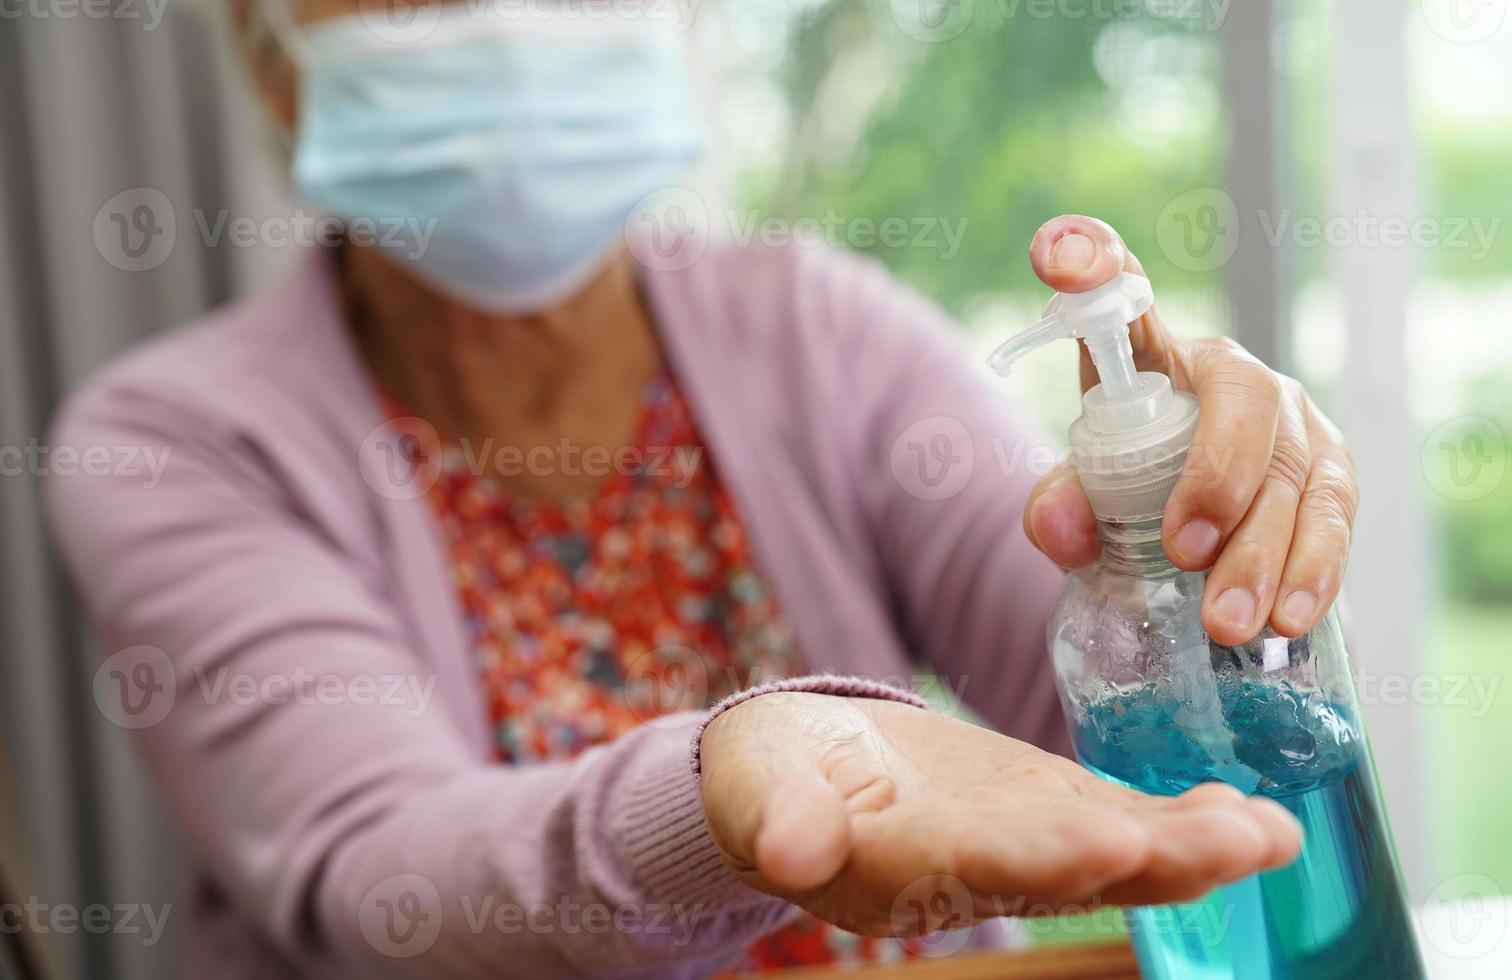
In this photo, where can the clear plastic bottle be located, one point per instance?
(1156, 705)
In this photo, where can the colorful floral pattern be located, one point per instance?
(592, 617)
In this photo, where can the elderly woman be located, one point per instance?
(417, 644)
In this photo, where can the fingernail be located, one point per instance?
(1195, 541)
(1072, 253)
(1298, 606)
(1235, 606)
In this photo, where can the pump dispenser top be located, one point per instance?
(1131, 441)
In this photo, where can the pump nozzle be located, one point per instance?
(1129, 445)
(1101, 317)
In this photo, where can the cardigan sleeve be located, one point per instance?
(327, 793)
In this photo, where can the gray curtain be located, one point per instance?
(91, 107)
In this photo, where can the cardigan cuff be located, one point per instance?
(845, 687)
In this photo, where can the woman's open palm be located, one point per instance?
(856, 809)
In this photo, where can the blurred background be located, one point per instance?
(1327, 182)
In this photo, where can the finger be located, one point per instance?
(1242, 586)
(1281, 828)
(773, 814)
(1208, 794)
(803, 837)
(1074, 253)
(1057, 856)
(1059, 521)
(1230, 453)
(1196, 849)
(1320, 543)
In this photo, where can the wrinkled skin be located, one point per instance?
(848, 806)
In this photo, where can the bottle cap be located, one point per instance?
(1130, 444)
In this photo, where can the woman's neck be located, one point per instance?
(574, 372)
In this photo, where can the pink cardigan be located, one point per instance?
(368, 831)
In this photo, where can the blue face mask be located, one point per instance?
(502, 155)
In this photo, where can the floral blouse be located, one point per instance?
(589, 618)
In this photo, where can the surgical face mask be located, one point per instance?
(501, 155)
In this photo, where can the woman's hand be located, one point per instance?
(1268, 495)
(850, 807)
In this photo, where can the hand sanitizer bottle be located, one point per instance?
(1156, 705)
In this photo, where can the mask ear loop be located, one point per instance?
(286, 31)
(291, 40)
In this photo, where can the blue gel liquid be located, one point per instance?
(1339, 910)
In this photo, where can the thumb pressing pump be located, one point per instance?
(1131, 441)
